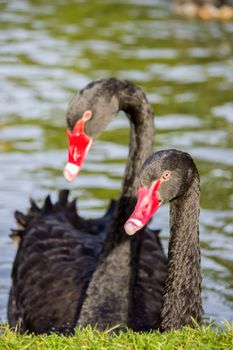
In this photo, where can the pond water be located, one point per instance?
(49, 51)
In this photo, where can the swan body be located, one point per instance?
(72, 271)
(53, 265)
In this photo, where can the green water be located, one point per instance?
(49, 51)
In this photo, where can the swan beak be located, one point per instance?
(148, 202)
(71, 171)
(79, 146)
(132, 226)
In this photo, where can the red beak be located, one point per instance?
(79, 146)
(147, 204)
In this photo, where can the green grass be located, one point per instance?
(206, 337)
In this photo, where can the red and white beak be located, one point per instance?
(147, 203)
(79, 146)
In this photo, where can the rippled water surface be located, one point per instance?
(49, 51)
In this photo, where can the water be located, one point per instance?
(49, 51)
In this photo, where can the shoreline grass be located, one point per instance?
(200, 338)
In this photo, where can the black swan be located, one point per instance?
(59, 252)
(172, 176)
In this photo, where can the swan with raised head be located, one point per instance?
(171, 176)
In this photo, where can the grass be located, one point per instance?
(206, 337)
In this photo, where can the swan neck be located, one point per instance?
(140, 114)
(134, 103)
(182, 298)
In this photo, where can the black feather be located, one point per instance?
(63, 197)
(34, 207)
(21, 218)
(48, 206)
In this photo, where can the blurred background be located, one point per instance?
(185, 66)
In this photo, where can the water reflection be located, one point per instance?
(185, 67)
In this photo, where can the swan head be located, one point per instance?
(88, 114)
(164, 176)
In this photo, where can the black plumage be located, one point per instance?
(53, 265)
(70, 271)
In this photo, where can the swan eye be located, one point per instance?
(166, 175)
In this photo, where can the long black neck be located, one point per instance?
(182, 298)
(140, 114)
(131, 99)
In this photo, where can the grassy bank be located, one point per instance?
(199, 338)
